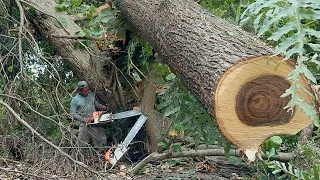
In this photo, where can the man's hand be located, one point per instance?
(88, 120)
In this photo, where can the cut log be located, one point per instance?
(248, 107)
(201, 48)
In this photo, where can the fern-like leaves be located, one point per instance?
(291, 25)
(286, 171)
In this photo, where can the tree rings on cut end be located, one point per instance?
(248, 107)
(258, 102)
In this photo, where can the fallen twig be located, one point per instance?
(24, 173)
(284, 157)
(45, 140)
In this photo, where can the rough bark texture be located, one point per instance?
(86, 66)
(147, 105)
(156, 123)
(194, 43)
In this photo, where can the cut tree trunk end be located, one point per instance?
(201, 48)
(248, 108)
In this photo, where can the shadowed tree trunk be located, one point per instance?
(156, 125)
(86, 64)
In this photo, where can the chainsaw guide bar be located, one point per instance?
(101, 117)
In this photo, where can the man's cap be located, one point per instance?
(82, 84)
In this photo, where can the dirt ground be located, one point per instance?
(190, 168)
(216, 167)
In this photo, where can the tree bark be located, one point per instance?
(203, 50)
(156, 123)
(195, 44)
(86, 64)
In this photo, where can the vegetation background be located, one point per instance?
(37, 85)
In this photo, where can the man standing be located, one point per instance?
(82, 107)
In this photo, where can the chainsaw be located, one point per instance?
(101, 117)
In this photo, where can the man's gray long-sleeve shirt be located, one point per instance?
(82, 107)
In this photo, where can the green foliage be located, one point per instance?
(230, 10)
(187, 114)
(292, 26)
(287, 171)
(283, 170)
(290, 142)
(112, 21)
(270, 146)
(75, 7)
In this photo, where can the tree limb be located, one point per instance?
(44, 139)
(20, 35)
(77, 37)
(24, 173)
(284, 157)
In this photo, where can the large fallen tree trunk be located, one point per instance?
(202, 48)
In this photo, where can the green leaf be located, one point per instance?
(316, 172)
(76, 2)
(276, 140)
(96, 32)
(313, 32)
(146, 48)
(87, 32)
(162, 144)
(315, 47)
(61, 7)
(275, 19)
(176, 147)
(291, 25)
(292, 51)
(305, 176)
(307, 73)
(80, 34)
(235, 160)
(105, 15)
(164, 104)
(170, 77)
(285, 44)
(227, 149)
(58, 1)
(283, 176)
(311, 112)
(288, 92)
(174, 162)
(256, 22)
(32, 10)
(172, 111)
(276, 171)
(10, 68)
(136, 77)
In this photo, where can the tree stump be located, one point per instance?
(248, 107)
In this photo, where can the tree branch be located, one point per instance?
(284, 157)
(44, 139)
(77, 37)
(20, 35)
(24, 173)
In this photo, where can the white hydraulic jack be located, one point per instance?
(100, 117)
